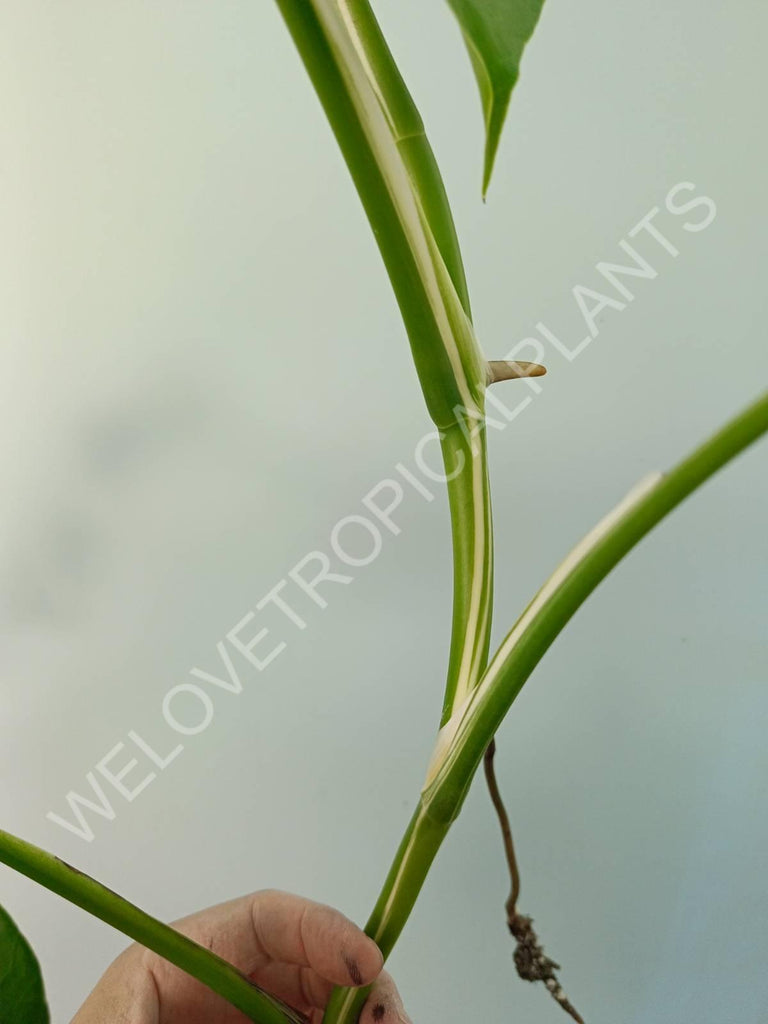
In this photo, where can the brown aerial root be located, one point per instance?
(531, 961)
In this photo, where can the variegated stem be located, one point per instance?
(414, 857)
(464, 739)
(94, 897)
(466, 462)
(382, 138)
(470, 730)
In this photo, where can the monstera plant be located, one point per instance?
(382, 138)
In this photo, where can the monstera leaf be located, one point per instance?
(496, 32)
(22, 997)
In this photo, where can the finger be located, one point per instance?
(308, 992)
(384, 1005)
(298, 931)
(253, 931)
(124, 992)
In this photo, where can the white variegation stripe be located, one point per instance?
(342, 33)
(465, 359)
(450, 737)
(479, 607)
(341, 28)
(393, 896)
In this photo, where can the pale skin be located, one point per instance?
(295, 949)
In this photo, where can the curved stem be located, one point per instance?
(466, 463)
(465, 457)
(566, 591)
(382, 139)
(92, 896)
(524, 647)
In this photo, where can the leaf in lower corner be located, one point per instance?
(22, 996)
(496, 32)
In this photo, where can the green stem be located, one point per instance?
(412, 862)
(443, 797)
(90, 895)
(393, 168)
(408, 130)
(382, 139)
(466, 460)
(381, 136)
(570, 586)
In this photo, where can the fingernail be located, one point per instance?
(353, 970)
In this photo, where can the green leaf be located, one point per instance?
(496, 32)
(22, 997)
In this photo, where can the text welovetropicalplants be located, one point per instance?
(382, 137)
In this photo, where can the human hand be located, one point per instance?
(293, 948)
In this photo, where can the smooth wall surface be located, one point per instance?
(203, 372)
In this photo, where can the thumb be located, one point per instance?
(384, 1005)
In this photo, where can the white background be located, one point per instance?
(203, 370)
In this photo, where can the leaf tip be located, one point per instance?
(496, 115)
